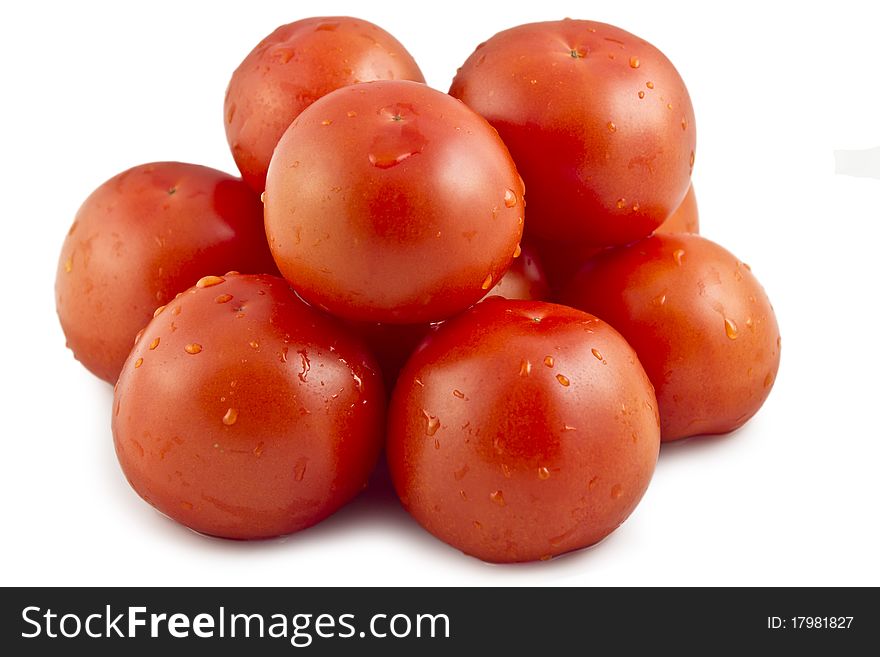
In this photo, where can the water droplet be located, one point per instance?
(593, 483)
(525, 367)
(351, 114)
(517, 252)
(258, 450)
(209, 281)
(224, 298)
(68, 265)
(458, 393)
(176, 310)
(487, 282)
(621, 203)
(693, 159)
(533, 81)
(477, 524)
(432, 423)
(659, 300)
(548, 361)
(634, 62)
(563, 380)
(596, 354)
(326, 122)
(635, 207)
(461, 472)
(138, 363)
(684, 124)
(498, 497)
(263, 198)
(568, 427)
(641, 94)
(154, 344)
(299, 468)
(230, 417)
(678, 256)
(254, 344)
(730, 328)
(193, 348)
(138, 336)
(358, 382)
(509, 198)
(419, 383)
(305, 365)
(158, 311)
(669, 106)
(543, 473)
(436, 444)
(612, 127)
(768, 380)
(616, 491)
(649, 84)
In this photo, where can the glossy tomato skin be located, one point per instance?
(293, 67)
(243, 413)
(139, 239)
(522, 430)
(391, 344)
(392, 202)
(700, 322)
(598, 121)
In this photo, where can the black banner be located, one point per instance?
(436, 621)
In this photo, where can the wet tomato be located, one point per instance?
(521, 430)
(243, 413)
(700, 322)
(598, 121)
(392, 202)
(139, 239)
(293, 67)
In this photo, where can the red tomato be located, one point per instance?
(293, 67)
(522, 430)
(139, 239)
(243, 413)
(598, 121)
(561, 260)
(700, 322)
(392, 344)
(392, 202)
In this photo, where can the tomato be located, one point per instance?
(392, 202)
(293, 67)
(598, 121)
(139, 239)
(700, 322)
(525, 279)
(243, 413)
(561, 260)
(685, 219)
(521, 430)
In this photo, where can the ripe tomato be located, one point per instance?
(392, 202)
(521, 430)
(139, 239)
(243, 413)
(598, 121)
(293, 67)
(700, 322)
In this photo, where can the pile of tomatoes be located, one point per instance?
(375, 280)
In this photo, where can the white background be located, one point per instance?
(90, 89)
